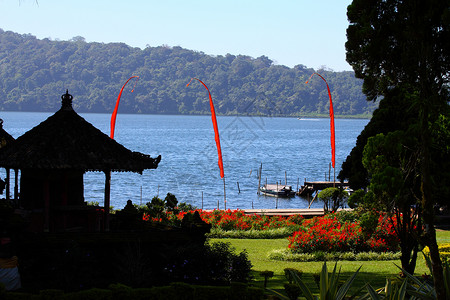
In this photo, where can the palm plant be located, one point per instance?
(329, 285)
(410, 288)
(391, 291)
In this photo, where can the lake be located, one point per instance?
(289, 149)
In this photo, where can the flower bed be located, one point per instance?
(236, 220)
(444, 251)
(330, 234)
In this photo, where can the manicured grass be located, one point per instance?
(443, 236)
(373, 272)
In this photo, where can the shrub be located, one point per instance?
(288, 273)
(279, 254)
(293, 291)
(287, 255)
(332, 233)
(369, 222)
(330, 285)
(215, 263)
(347, 256)
(91, 294)
(333, 198)
(51, 294)
(326, 234)
(274, 233)
(186, 207)
(175, 291)
(444, 251)
(237, 220)
(296, 219)
(266, 274)
(367, 256)
(355, 198)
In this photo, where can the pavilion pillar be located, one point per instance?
(107, 198)
(16, 185)
(8, 184)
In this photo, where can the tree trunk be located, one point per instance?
(409, 258)
(408, 242)
(428, 211)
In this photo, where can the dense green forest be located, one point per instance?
(34, 73)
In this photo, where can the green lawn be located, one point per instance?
(373, 272)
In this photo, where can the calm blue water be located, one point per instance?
(298, 148)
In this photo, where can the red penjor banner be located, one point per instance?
(216, 129)
(333, 150)
(114, 114)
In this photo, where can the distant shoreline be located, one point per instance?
(316, 116)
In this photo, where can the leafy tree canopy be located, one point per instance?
(332, 198)
(400, 48)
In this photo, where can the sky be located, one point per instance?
(289, 32)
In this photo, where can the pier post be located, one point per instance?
(334, 177)
(224, 195)
(259, 182)
(329, 171)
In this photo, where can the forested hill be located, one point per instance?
(35, 73)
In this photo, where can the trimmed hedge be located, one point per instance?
(288, 255)
(176, 291)
(274, 233)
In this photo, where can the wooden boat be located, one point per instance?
(277, 190)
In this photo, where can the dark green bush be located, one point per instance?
(183, 290)
(292, 290)
(369, 222)
(347, 216)
(19, 296)
(186, 207)
(289, 271)
(212, 264)
(266, 274)
(356, 198)
(176, 291)
(51, 294)
(120, 291)
(92, 294)
(156, 208)
(170, 202)
(297, 219)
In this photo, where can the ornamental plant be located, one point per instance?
(332, 234)
(237, 220)
(330, 285)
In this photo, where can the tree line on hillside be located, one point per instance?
(34, 73)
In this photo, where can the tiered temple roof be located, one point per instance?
(67, 141)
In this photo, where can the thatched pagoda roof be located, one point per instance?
(67, 141)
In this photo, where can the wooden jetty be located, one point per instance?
(309, 187)
(306, 212)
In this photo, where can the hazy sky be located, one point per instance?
(289, 32)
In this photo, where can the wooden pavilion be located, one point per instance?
(5, 138)
(52, 159)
